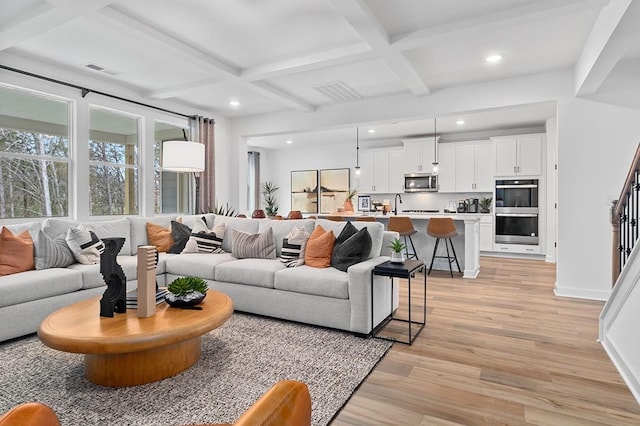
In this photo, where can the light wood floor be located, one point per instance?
(502, 349)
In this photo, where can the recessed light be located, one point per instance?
(460, 122)
(371, 130)
(234, 103)
(288, 142)
(493, 58)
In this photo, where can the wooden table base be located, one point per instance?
(138, 368)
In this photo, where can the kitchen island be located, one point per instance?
(466, 243)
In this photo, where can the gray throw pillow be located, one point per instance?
(256, 246)
(180, 234)
(52, 252)
(351, 247)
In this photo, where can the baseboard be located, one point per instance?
(580, 293)
(626, 373)
(471, 273)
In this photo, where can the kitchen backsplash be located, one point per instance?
(426, 201)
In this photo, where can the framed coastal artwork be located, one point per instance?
(334, 187)
(304, 191)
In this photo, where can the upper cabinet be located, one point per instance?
(381, 171)
(466, 167)
(518, 155)
(419, 155)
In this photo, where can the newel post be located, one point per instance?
(615, 243)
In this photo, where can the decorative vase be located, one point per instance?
(192, 299)
(348, 206)
(397, 257)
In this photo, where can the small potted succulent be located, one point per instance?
(397, 247)
(186, 291)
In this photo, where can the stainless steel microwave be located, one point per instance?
(420, 182)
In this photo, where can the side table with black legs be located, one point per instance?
(400, 270)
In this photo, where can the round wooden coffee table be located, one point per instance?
(126, 350)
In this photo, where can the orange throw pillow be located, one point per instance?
(160, 237)
(319, 248)
(16, 252)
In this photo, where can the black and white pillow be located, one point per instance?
(181, 234)
(293, 246)
(205, 240)
(85, 245)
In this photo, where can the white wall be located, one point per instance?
(596, 143)
(551, 189)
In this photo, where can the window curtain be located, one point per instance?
(202, 130)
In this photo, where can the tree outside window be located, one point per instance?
(34, 149)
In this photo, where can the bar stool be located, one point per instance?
(335, 218)
(404, 226)
(294, 214)
(443, 227)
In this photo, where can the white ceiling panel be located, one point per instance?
(449, 61)
(138, 63)
(366, 78)
(16, 11)
(248, 33)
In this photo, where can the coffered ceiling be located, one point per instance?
(304, 55)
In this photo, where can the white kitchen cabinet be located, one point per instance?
(419, 155)
(447, 167)
(518, 155)
(486, 233)
(473, 166)
(381, 171)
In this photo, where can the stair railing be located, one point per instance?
(625, 218)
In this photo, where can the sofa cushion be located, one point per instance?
(16, 252)
(35, 285)
(294, 246)
(159, 236)
(253, 246)
(282, 228)
(19, 228)
(52, 252)
(112, 228)
(190, 219)
(250, 226)
(376, 230)
(327, 282)
(55, 227)
(319, 248)
(85, 246)
(200, 265)
(352, 246)
(92, 278)
(256, 272)
(205, 240)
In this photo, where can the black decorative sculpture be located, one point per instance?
(114, 298)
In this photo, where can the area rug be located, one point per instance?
(239, 362)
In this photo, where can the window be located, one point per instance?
(113, 162)
(171, 189)
(34, 150)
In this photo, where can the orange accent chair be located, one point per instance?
(258, 214)
(294, 214)
(288, 402)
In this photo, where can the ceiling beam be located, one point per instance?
(614, 32)
(521, 15)
(180, 89)
(365, 23)
(45, 17)
(115, 16)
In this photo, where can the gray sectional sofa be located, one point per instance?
(321, 296)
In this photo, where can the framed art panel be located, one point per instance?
(304, 191)
(364, 203)
(334, 187)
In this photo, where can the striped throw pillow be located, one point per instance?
(253, 246)
(85, 245)
(205, 240)
(293, 247)
(52, 252)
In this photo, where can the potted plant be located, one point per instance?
(485, 204)
(348, 201)
(186, 291)
(397, 247)
(268, 191)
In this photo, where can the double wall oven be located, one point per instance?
(517, 211)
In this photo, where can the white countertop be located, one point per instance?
(425, 216)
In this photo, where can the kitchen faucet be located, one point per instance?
(395, 204)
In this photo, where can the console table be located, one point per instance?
(400, 270)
